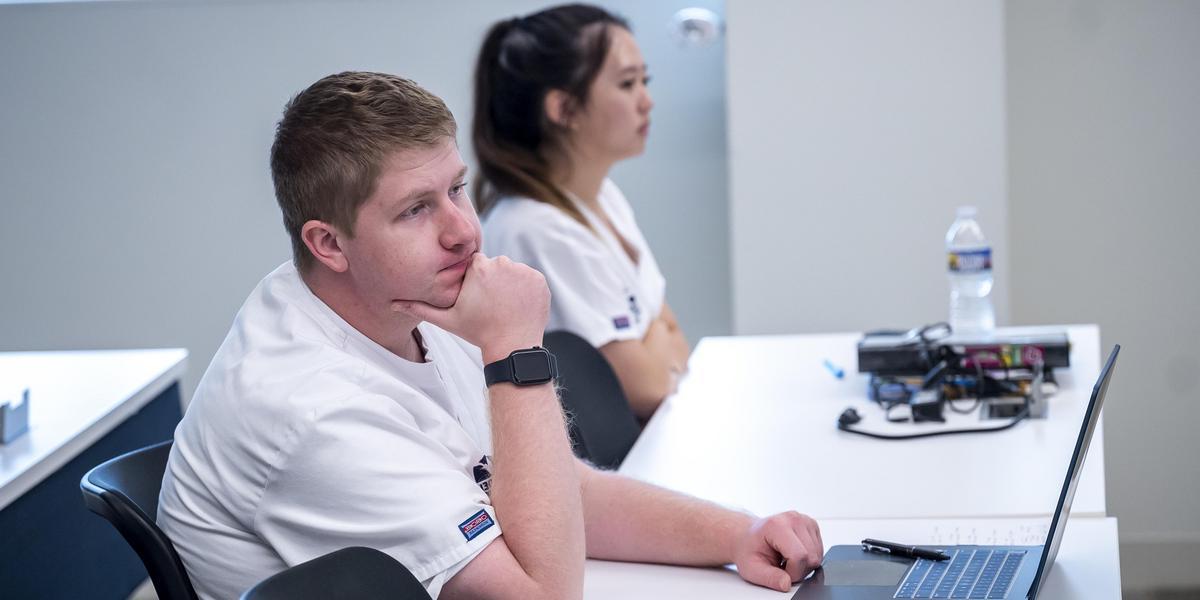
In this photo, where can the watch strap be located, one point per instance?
(498, 372)
(505, 370)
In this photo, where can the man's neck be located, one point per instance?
(394, 331)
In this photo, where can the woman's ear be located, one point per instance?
(322, 241)
(559, 108)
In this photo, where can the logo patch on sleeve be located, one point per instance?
(621, 322)
(477, 524)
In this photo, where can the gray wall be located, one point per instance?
(137, 203)
(1104, 154)
(855, 130)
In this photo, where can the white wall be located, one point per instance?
(137, 208)
(1104, 113)
(855, 129)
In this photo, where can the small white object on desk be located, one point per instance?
(14, 416)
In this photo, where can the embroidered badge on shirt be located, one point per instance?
(621, 322)
(477, 524)
(483, 475)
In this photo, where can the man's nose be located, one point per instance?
(458, 225)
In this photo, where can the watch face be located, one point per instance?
(531, 366)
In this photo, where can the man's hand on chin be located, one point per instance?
(502, 306)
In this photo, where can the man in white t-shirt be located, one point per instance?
(348, 404)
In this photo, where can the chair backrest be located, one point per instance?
(353, 573)
(603, 428)
(124, 490)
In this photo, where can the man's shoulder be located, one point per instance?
(282, 312)
(276, 381)
(288, 363)
(279, 347)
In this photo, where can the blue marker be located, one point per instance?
(834, 369)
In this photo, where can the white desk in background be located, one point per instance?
(1087, 568)
(84, 408)
(77, 397)
(753, 425)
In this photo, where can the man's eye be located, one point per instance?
(414, 211)
(458, 190)
(646, 80)
(627, 84)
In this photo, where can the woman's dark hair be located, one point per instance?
(523, 59)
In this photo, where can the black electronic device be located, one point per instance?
(918, 352)
(926, 405)
(1000, 375)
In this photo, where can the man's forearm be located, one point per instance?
(535, 491)
(535, 487)
(634, 521)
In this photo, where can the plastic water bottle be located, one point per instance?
(970, 273)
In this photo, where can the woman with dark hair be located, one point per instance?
(560, 97)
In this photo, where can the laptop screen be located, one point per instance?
(1058, 524)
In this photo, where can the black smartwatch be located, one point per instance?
(532, 366)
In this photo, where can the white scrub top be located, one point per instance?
(597, 291)
(304, 437)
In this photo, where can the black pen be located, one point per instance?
(870, 545)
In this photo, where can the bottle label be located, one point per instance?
(971, 261)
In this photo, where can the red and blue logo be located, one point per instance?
(477, 524)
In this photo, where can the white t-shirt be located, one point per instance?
(305, 436)
(596, 290)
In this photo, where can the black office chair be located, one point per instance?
(353, 573)
(602, 425)
(124, 490)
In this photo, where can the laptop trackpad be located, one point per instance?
(863, 572)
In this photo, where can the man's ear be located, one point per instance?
(560, 108)
(322, 240)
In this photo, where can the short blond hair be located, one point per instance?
(333, 138)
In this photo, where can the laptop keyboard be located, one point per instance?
(970, 573)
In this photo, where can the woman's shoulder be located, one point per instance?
(531, 231)
(520, 216)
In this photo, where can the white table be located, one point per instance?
(76, 398)
(753, 425)
(1087, 567)
(85, 407)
